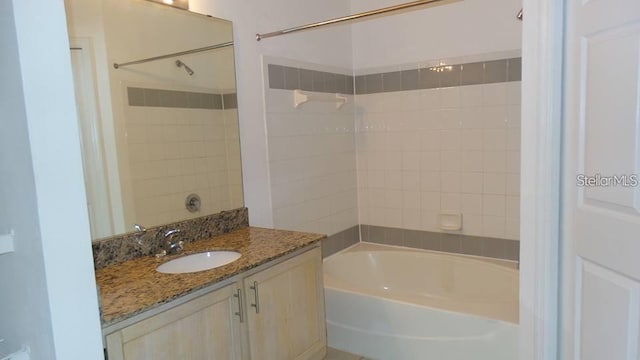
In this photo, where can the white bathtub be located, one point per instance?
(393, 303)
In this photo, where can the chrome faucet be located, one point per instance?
(171, 244)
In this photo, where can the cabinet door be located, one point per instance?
(286, 310)
(203, 329)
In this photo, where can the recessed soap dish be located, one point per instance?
(450, 221)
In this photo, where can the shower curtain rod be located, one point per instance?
(347, 18)
(192, 51)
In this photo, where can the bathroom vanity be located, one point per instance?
(268, 304)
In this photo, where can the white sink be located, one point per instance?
(198, 262)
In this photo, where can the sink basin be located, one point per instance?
(198, 262)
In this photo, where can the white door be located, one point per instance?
(601, 221)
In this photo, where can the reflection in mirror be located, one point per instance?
(159, 138)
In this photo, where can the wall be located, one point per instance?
(312, 155)
(448, 147)
(393, 43)
(327, 47)
(441, 142)
(48, 297)
(180, 148)
(455, 29)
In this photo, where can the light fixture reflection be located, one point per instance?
(441, 68)
(182, 4)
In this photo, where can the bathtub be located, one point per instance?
(386, 302)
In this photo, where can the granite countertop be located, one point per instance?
(134, 286)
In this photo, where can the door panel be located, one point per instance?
(601, 139)
(609, 307)
(609, 114)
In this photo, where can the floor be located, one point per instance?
(333, 354)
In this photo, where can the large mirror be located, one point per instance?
(159, 136)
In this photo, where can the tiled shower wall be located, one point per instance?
(438, 139)
(428, 139)
(181, 143)
(311, 150)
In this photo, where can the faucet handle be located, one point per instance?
(140, 231)
(173, 247)
(171, 233)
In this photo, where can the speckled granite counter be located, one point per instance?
(134, 286)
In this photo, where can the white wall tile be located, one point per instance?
(430, 140)
(411, 219)
(430, 220)
(494, 139)
(493, 226)
(393, 179)
(513, 162)
(450, 182)
(472, 139)
(450, 97)
(430, 201)
(430, 161)
(512, 207)
(471, 204)
(451, 139)
(513, 138)
(472, 161)
(411, 180)
(450, 160)
(494, 205)
(426, 151)
(512, 229)
(472, 225)
(451, 118)
(472, 183)
(513, 184)
(411, 200)
(411, 160)
(450, 202)
(514, 93)
(494, 116)
(494, 183)
(494, 94)
(514, 115)
(494, 161)
(393, 199)
(474, 118)
(393, 218)
(471, 96)
(430, 181)
(430, 98)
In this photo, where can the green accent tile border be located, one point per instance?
(485, 72)
(496, 248)
(180, 99)
(292, 78)
(340, 241)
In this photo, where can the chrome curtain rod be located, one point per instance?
(346, 18)
(192, 51)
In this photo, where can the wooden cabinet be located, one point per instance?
(285, 315)
(280, 316)
(202, 329)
